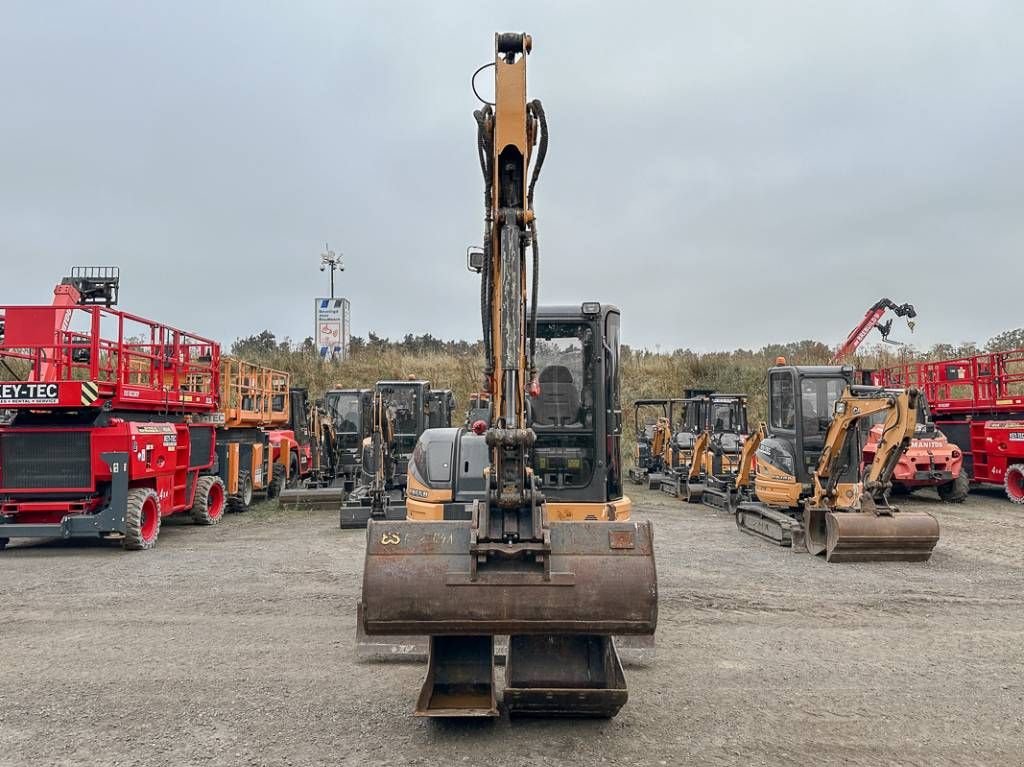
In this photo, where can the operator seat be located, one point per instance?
(559, 402)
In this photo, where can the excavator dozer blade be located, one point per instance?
(317, 499)
(671, 485)
(460, 678)
(567, 675)
(693, 492)
(865, 536)
(357, 517)
(720, 499)
(418, 578)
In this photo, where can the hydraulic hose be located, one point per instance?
(485, 141)
(537, 110)
(542, 148)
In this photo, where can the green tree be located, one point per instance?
(1006, 341)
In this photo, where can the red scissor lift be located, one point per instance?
(106, 431)
(978, 402)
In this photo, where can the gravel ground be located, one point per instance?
(233, 645)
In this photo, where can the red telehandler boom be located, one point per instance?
(930, 460)
(873, 319)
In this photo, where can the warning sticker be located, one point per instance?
(154, 428)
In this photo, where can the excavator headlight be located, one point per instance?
(591, 308)
(475, 259)
(840, 407)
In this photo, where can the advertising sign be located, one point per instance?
(332, 327)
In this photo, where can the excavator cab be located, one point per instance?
(686, 416)
(726, 425)
(650, 420)
(440, 406)
(409, 401)
(577, 416)
(349, 410)
(801, 401)
(718, 451)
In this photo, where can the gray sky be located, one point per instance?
(713, 166)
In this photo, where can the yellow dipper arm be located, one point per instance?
(856, 404)
(700, 451)
(745, 470)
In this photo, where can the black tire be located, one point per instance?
(210, 501)
(955, 491)
(141, 519)
(3, 543)
(293, 471)
(276, 481)
(1013, 482)
(243, 499)
(898, 489)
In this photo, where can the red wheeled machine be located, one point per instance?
(979, 403)
(103, 435)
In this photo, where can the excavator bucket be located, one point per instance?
(460, 678)
(871, 535)
(420, 578)
(569, 675)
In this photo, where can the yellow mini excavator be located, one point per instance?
(378, 495)
(561, 580)
(653, 432)
(812, 491)
(677, 451)
(722, 484)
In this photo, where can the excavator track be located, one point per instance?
(770, 524)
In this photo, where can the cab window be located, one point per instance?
(783, 402)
